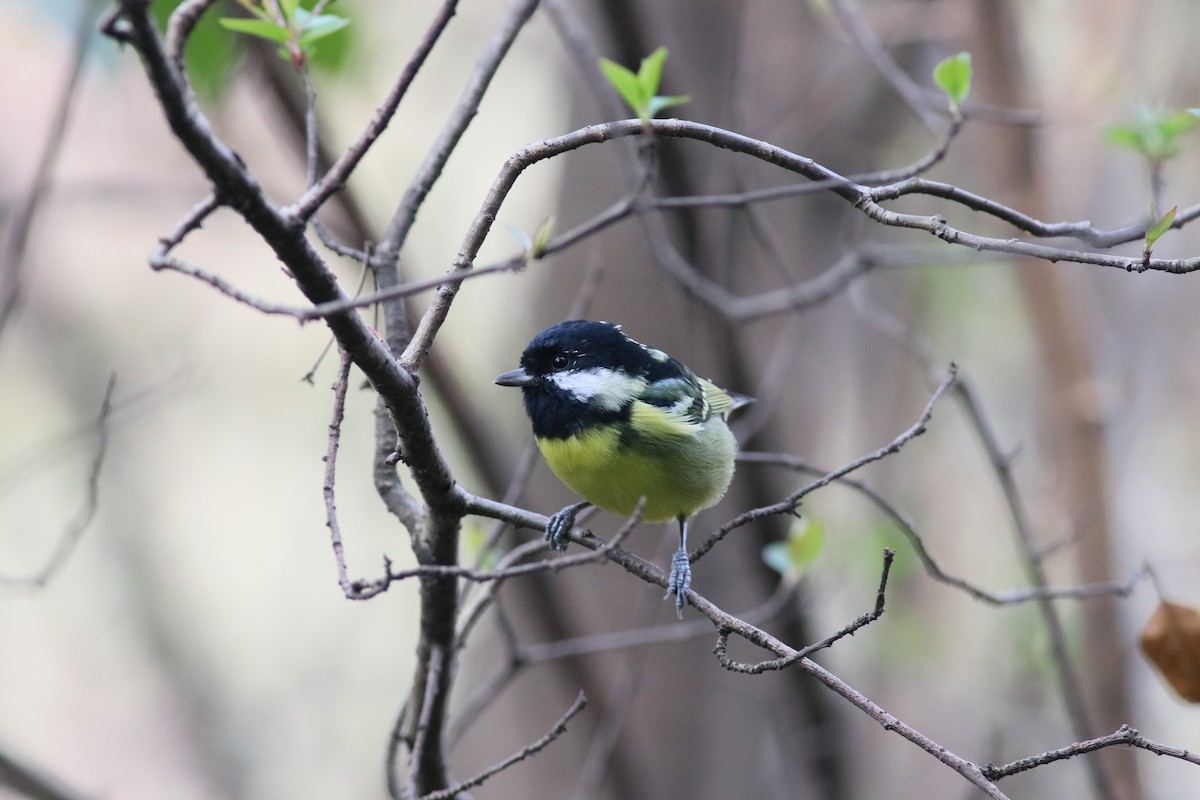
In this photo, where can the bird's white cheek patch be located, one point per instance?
(605, 388)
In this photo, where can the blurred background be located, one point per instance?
(195, 643)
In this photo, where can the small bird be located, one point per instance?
(618, 421)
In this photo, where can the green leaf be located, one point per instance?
(626, 84)
(333, 53)
(1125, 136)
(1153, 133)
(256, 27)
(1178, 123)
(658, 103)
(540, 237)
(650, 72)
(289, 8)
(1159, 228)
(320, 26)
(640, 91)
(806, 539)
(953, 76)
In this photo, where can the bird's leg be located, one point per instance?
(681, 571)
(558, 529)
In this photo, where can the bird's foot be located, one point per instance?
(558, 529)
(680, 580)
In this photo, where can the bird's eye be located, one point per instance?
(559, 361)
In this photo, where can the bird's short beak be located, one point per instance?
(516, 377)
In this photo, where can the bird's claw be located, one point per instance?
(679, 580)
(558, 529)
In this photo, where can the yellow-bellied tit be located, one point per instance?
(618, 421)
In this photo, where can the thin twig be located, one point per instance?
(558, 730)
(310, 376)
(655, 634)
(330, 486)
(472, 613)
(1125, 735)
(863, 198)
(70, 536)
(191, 221)
(436, 663)
(1068, 676)
(869, 43)
(339, 173)
(365, 590)
(604, 219)
(783, 663)
(515, 17)
(12, 254)
(932, 568)
(541, 652)
(926, 104)
(33, 782)
(650, 573)
(310, 128)
(792, 502)
(1082, 231)
(180, 26)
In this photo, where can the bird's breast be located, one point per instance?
(677, 474)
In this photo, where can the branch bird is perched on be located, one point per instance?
(618, 421)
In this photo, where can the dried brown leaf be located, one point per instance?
(1171, 640)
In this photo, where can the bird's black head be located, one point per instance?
(579, 373)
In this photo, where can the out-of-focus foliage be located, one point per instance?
(953, 76)
(210, 54)
(803, 544)
(1153, 133)
(213, 48)
(288, 24)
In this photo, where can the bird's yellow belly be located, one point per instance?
(678, 475)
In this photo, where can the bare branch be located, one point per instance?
(925, 103)
(330, 487)
(863, 198)
(783, 663)
(310, 376)
(913, 95)
(12, 254)
(558, 730)
(792, 502)
(285, 235)
(365, 590)
(523, 655)
(27, 780)
(435, 663)
(1124, 736)
(935, 571)
(308, 203)
(654, 634)
(1068, 676)
(1083, 231)
(180, 26)
(83, 518)
(723, 620)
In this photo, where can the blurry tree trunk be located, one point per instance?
(1073, 418)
